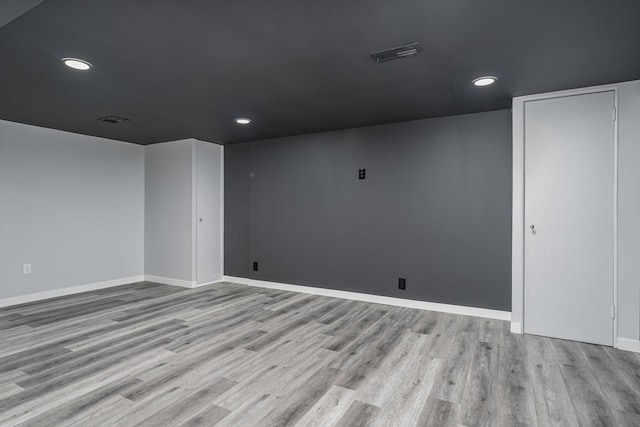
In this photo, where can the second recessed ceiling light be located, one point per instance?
(77, 64)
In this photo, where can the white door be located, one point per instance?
(209, 181)
(569, 217)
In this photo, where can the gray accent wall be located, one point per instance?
(237, 191)
(435, 208)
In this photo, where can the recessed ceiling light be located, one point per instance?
(76, 64)
(485, 81)
(243, 121)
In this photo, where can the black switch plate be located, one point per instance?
(402, 283)
(255, 266)
(362, 173)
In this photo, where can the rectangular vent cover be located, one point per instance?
(405, 51)
(114, 119)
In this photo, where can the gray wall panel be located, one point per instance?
(435, 208)
(237, 165)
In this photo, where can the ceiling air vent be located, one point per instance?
(114, 119)
(411, 49)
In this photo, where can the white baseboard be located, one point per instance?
(169, 281)
(400, 302)
(22, 299)
(208, 283)
(178, 282)
(628, 345)
(516, 327)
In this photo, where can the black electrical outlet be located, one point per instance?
(402, 283)
(362, 173)
(255, 266)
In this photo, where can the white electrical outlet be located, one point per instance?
(26, 268)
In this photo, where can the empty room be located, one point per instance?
(320, 213)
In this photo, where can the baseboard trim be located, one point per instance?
(178, 282)
(628, 345)
(516, 327)
(169, 281)
(38, 296)
(198, 285)
(378, 299)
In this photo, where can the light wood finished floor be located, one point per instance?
(233, 355)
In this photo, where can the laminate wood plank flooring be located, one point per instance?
(232, 355)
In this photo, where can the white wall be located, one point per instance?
(183, 182)
(628, 237)
(629, 211)
(72, 206)
(210, 212)
(169, 213)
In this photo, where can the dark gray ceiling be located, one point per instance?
(187, 68)
(11, 9)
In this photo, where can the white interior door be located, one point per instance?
(209, 204)
(569, 217)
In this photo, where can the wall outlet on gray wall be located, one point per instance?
(255, 266)
(26, 268)
(362, 173)
(402, 283)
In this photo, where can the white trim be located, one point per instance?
(169, 281)
(616, 132)
(22, 299)
(198, 285)
(377, 299)
(194, 198)
(516, 327)
(178, 282)
(517, 215)
(628, 345)
(518, 227)
(222, 209)
(194, 211)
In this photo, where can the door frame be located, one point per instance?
(518, 210)
(194, 213)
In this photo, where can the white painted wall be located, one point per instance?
(629, 211)
(70, 205)
(628, 215)
(181, 176)
(169, 226)
(88, 212)
(209, 212)
(177, 177)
